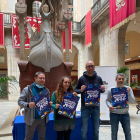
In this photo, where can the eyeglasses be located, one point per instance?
(90, 66)
(41, 78)
(67, 82)
(120, 78)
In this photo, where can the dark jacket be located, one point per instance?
(24, 101)
(85, 79)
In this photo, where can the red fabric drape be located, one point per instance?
(64, 47)
(70, 37)
(121, 11)
(88, 29)
(2, 29)
(15, 34)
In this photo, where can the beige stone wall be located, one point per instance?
(89, 4)
(134, 44)
(96, 57)
(3, 5)
(112, 50)
(133, 66)
(11, 6)
(80, 8)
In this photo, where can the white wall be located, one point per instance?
(11, 6)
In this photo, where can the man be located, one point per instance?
(31, 116)
(120, 115)
(90, 77)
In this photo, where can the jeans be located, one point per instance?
(63, 134)
(124, 119)
(85, 115)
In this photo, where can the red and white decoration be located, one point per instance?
(2, 29)
(68, 14)
(121, 11)
(15, 34)
(56, 32)
(61, 25)
(88, 29)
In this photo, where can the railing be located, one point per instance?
(96, 8)
(7, 19)
(76, 26)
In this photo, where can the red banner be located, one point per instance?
(121, 11)
(88, 29)
(70, 38)
(64, 47)
(2, 29)
(15, 34)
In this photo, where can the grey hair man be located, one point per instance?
(120, 115)
(31, 116)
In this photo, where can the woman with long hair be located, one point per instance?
(63, 125)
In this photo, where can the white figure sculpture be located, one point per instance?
(45, 52)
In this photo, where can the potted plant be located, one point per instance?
(5, 81)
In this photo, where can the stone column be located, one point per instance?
(112, 45)
(13, 70)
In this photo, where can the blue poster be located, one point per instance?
(42, 103)
(68, 105)
(119, 97)
(92, 94)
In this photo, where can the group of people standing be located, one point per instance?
(64, 125)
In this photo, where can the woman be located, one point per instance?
(46, 52)
(63, 125)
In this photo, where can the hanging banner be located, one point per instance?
(2, 29)
(121, 11)
(88, 29)
(34, 22)
(64, 47)
(70, 38)
(15, 33)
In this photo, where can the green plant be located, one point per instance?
(122, 70)
(7, 81)
(133, 84)
(125, 71)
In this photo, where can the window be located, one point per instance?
(127, 48)
(70, 5)
(36, 6)
(2, 58)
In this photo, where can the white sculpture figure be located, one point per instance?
(45, 52)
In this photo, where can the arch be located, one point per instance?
(136, 27)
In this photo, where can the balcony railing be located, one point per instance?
(76, 26)
(96, 8)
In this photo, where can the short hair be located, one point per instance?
(39, 72)
(120, 74)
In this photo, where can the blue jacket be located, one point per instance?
(95, 79)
